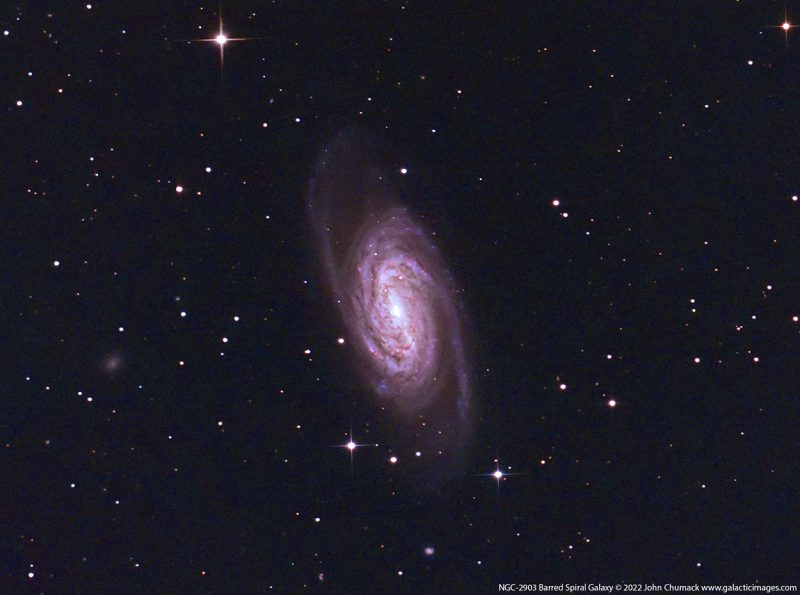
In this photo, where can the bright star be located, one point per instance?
(351, 445)
(221, 39)
(497, 474)
(786, 26)
(500, 475)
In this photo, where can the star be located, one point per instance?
(351, 445)
(786, 26)
(497, 474)
(221, 39)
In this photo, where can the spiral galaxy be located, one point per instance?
(396, 297)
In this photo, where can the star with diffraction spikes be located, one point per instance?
(786, 26)
(352, 445)
(498, 474)
(221, 39)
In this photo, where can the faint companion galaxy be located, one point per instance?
(395, 294)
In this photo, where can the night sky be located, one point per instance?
(610, 190)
